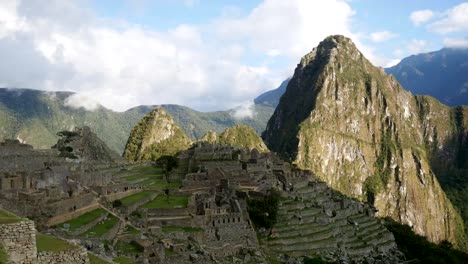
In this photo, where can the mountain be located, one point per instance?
(154, 136)
(271, 98)
(357, 129)
(35, 117)
(442, 74)
(210, 137)
(83, 144)
(242, 136)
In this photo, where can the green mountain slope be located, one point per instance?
(154, 136)
(36, 116)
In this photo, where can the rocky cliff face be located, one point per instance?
(210, 137)
(242, 136)
(154, 136)
(363, 134)
(85, 145)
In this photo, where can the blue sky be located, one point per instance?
(206, 54)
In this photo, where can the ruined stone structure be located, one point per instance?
(225, 221)
(41, 184)
(19, 240)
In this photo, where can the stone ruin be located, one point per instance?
(217, 181)
(41, 184)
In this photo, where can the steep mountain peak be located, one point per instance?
(84, 145)
(242, 136)
(155, 135)
(358, 130)
(332, 48)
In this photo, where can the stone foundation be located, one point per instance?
(73, 256)
(19, 241)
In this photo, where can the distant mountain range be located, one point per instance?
(36, 116)
(442, 74)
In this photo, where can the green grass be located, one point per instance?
(8, 218)
(3, 255)
(135, 197)
(129, 230)
(96, 260)
(163, 184)
(103, 227)
(162, 202)
(186, 229)
(144, 176)
(51, 243)
(128, 248)
(85, 219)
(123, 260)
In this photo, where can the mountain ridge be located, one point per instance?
(35, 117)
(361, 132)
(442, 74)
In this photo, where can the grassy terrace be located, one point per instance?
(51, 243)
(163, 202)
(163, 184)
(3, 255)
(143, 176)
(123, 260)
(135, 197)
(186, 229)
(129, 230)
(85, 219)
(96, 260)
(8, 218)
(128, 248)
(103, 227)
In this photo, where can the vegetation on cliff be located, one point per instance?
(358, 130)
(264, 211)
(417, 248)
(242, 136)
(156, 135)
(82, 143)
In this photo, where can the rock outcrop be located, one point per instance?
(83, 144)
(154, 136)
(364, 135)
(242, 136)
(210, 137)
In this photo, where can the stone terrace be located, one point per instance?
(315, 220)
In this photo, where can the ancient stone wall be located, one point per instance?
(167, 212)
(132, 207)
(76, 255)
(19, 240)
(68, 216)
(113, 231)
(72, 204)
(84, 228)
(117, 196)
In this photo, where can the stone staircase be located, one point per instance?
(315, 220)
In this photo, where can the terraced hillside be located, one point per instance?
(315, 220)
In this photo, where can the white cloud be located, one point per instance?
(453, 20)
(288, 26)
(456, 43)
(63, 46)
(382, 36)
(392, 63)
(421, 16)
(417, 46)
(81, 100)
(246, 110)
